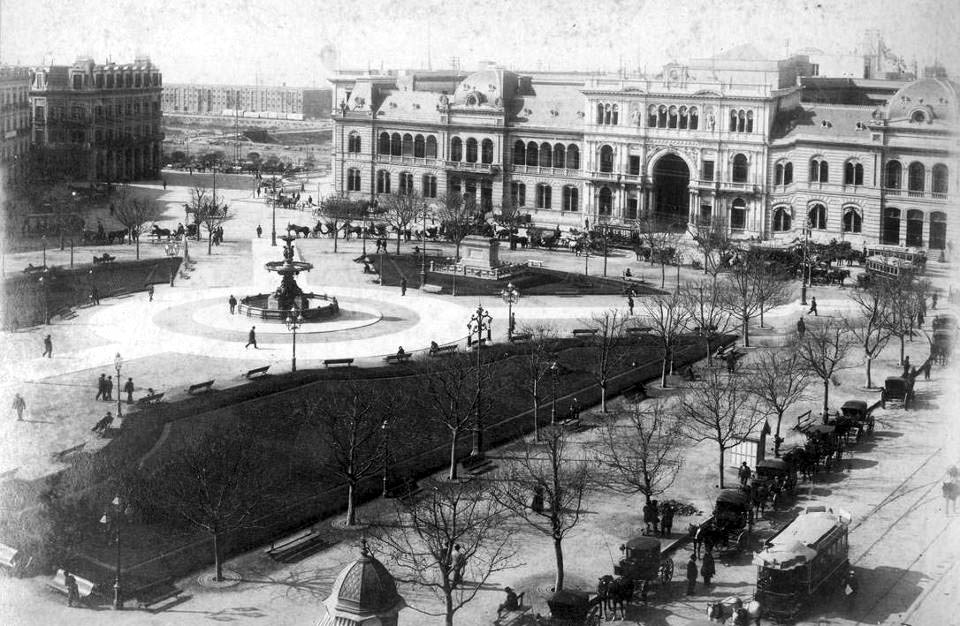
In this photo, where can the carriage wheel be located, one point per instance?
(666, 570)
(742, 539)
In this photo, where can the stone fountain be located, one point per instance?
(289, 296)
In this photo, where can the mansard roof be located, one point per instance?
(550, 106)
(418, 106)
(928, 101)
(824, 121)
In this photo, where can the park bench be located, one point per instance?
(153, 398)
(296, 547)
(582, 332)
(432, 288)
(200, 386)
(13, 560)
(61, 455)
(255, 371)
(84, 587)
(402, 489)
(534, 263)
(344, 362)
(444, 350)
(434, 252)
(151, 596)
(520, 337)
(398, 358)
(476, 465)
(636, 330)
(516, 616)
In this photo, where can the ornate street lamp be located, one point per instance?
(555, 376)
(114, 517)
(478, 325)
(118, 363)
(510, 295)
(294, 321)
(805, 270)
(385, 434)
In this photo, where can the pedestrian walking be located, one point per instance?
(252, 338)
(906, 367)
(173, 275)
(47, 347)
(630, 305)
(813, 307)
(108, 388)
(19, 404)
(150, 293)
(731, 359)
(73, 592)
(233, 304)
(926, 368)
(650, 518)
(744, 474)
(692, 574)
(94, 295)
(801, 327)
(128, 389)
(164, 184)
(259, 228)
(933, 302)
(101, 387)
(403, 286)
(708, 568)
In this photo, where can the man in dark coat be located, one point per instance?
(692, 574)
(47, 347)
(801, 327)
(708, 568)
(233, 304)
(744, 474)
(666, 520)
(252, 338)
(73, 592)
(101, 387)
(128, 389)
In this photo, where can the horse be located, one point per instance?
(299, 230)
(620, 592)
(604, 601)
(116, 236)
(161, 232)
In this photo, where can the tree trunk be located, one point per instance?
(745, 330)
(903, 348)
(448, 602)
(603, 395)
(776, 436)
(826, 397)
(869, 368)
(721, 466)
(663, 273)
(453, 456)
(709, 350)
(536, 414)
(210, 243)
(663, 372)
(218, 563)
(558, 552)
(399, 235)
(761, 315)
(351, 509)
(138, 247)
(335, 232)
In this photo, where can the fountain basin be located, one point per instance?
(311, 306)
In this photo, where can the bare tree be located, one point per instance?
(668, 317)
(706, 304)
(450, 398)
(906, 298)
(720, 409)
(873, 331)
(645, 454)
(605, 356)
(743, 298)
(344, 432)
(778, 380)
(400, 210)
(552, 470)
(457, 215)
(339, 212)
(661, 240)
(217, 484)
(133, 213)
(711, 237)
(208, 212)
(536, 366)
(424, 530)
(772, 285)
(823, 351)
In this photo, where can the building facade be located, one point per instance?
(15, 113)
(711, 139)
(294, 103)
(98, 122)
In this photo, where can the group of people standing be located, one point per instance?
(658, 518)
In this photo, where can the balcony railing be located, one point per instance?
(404, 160)
(487, 168)
(543, 170)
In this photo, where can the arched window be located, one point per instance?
(571, 198)
(456, 149)
(605, 201)
(616, 115)
(915, 175)
(852, 220)
(893, 175)
(543, 196)
(486, 151)
(519, 153)
(652, 116)
(662, 116)
(788, 173)
(383, 181)
(431, 147)
(852, 173)
(546, 155)
(781, 219)
(672, 117)
(353, 142)
(454, 186)
(383, 146)
(740, 169)
(817, 217)
(559, 153)
(533, 153)
(778, 174)
(738, 214)
(407, 145)
(518, 193)
(419, 147)
(606, 114)
(733, 121)
(471, 150)
(683, 118)
(890, 229)
(749, 121)
(938, 230)
(915, 228)
(573, 157)
(396, 145)
(940, 178)
(353, 179)
(429, 186)
(406, 183)
(694, 118)
(599, 113)
(819, 170)
(606, 159)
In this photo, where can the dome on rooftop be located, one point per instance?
(363, 594)
(925, 101)
(485, 88)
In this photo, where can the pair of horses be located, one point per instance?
(613, 594)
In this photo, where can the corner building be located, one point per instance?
(730, 138)
(15, 116)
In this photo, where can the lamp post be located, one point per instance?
(423, 248)
(113, 517)
(44, 281)
(510, 295)
(384, 434)
(805, 271)
(294, 321)
(118, 363)
(554, 375)
(478, 324)
(43, 240)
(273, 222)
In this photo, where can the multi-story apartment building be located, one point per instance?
(98, 122)
(730, 138)
(15, 113)
(283, 102)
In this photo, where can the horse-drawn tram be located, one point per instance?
(806, 558)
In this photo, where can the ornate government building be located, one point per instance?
(753, 143)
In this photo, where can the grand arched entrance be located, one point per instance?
(671, 182)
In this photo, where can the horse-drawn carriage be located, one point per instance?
(857, 413)
(730, 524)
(775, 477)
(897, 389)
(644, 562)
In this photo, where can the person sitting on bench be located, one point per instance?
(434, 347)
(103, 424)
(512, 603)
(627, 274)
(401, 353)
